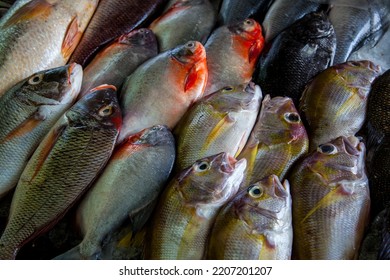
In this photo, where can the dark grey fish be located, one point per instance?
(233, 11)
(283, 13)
(295, 56)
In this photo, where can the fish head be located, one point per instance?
(152, 136)
(139, 37)
(248, 36)
(237, 98)
(211, 180)
(61, 83)
(313, 26)
(340, 159)
(100, 104)
(280, 121)
(265, 200)
(189, 53)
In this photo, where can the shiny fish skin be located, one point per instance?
(62, 168)
(37, 29)
(295, 56)
(331, 201)
(161, 90)
(117, 61)
(27, 112)
(283, 13)
(233, 11)
(129, 185)
(220, 122)
(255, 225)
(186, 20)
(112, 19)
(188, 206)
(277, 140)
(232, 53)
(334, 103)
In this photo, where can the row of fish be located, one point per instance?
(218, 186)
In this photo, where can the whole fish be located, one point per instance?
(255, 225)
(378, 113)
(233, 11)
(220, 122)
(62, 168)
(354, 24)
(112, 19)
(28, 111)
(331, 201)
(277, 140)
(283, 13)
(295, 56)
(334, 103)
(185, 15)
(118, 60)
(161, 90)
(121, 191)
(51, 29)
(189, 205)
(232, 53)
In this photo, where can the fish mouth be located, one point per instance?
(103, 87)
(229, 163)
(75, 78)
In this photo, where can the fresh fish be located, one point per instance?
(233, 11)
(184, 14)
(255, 225)
(295, 56)
(283, 13)
(334, 103)
(112, 19)
(189, 205)
(38, 35)
(118, 60)
(161, 90)
(378, 111)
(331, 201)
(355, 24)
(277, 141)
(220, 122)
(232, 53)
(28, 111)
(121, 191)
(62, 168)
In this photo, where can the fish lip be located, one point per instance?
(103, 87)
(75, 78)
(350, 148)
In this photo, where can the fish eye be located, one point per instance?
(327, 149)
(36, 79)
(228, 88)
(248, 22)
(255, 191)
(190, 44)
(203, 166)
(292, 117)
(106, 111)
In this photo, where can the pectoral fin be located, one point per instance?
(71, 39)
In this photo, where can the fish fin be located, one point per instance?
(191, 78)
(221, 126)
(171, 12)
(31, 10)
(249, 153)
(24, 128)
(241, 144)
(47, 144)
(255, 50)
(71, 39)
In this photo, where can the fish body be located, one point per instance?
(189, 205)
(220, 122)
(161, 90)
(295, 56)
(255, 225)
(334, 103)
(129, 185)
(28, 111)
(277, 140)
(184, 14)
(38, 35)
(117, 61)
(283, 13)
(232, 53)
(112, 19)
(62, 168)
(233, 11)
(331, 201)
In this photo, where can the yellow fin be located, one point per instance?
(221, 126)
(24, 128)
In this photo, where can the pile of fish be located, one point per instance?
(195, 129)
